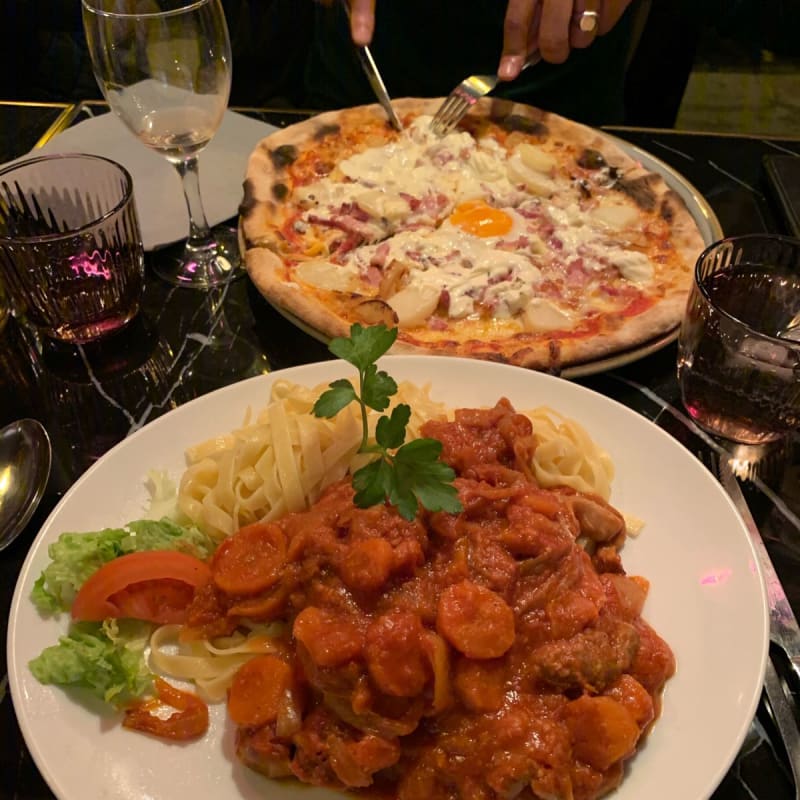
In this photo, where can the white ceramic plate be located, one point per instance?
(706, 598)
(161, 208)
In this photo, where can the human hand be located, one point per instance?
(553, 27)
(362, 21)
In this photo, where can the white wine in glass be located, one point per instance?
(164, 66)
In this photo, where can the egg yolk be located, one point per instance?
(477, 218)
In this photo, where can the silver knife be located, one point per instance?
(374, 77)
(783, 630)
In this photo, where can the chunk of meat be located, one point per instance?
(260, 750)
(570, 613)
(378, 714)
(206, 615)
(476, 436)
(590, 660)
(492, 563)
(481, 685)
(475, 620)
(311, 760)
(356, 762)
(654, 663)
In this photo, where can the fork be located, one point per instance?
(464, 96)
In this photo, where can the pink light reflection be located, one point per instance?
(716, 577)
(91, 265)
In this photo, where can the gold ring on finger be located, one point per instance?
(587, 21)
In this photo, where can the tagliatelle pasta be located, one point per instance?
(567, 456)
(281, 459)
(277, 462)
(210, 665)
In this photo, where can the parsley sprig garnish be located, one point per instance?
(405, 474)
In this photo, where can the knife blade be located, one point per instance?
(374, 77)
(783, 629)
(376, 82)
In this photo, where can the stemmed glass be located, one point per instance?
(164, 66)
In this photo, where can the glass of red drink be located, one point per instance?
(71, 255)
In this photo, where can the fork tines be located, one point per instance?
(465, 95)
(460, 100)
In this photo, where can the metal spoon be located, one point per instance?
(25, 456)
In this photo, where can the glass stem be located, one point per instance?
(199, 232)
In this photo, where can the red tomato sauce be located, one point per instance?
(496, 653)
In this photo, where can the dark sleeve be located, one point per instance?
(270, 41)
(423, 48)
(44, 53)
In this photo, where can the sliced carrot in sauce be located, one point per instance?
(250, 561)
(259, 690)
(366, 564)
(188, 721)
(329, 639)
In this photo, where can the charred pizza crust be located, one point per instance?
(314, 147)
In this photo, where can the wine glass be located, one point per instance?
(164, 66)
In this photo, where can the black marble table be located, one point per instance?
(24, 125)
(186, 343)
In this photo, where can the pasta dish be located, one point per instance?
(496, 653)
(493, 651)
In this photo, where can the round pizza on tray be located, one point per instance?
(520, 237)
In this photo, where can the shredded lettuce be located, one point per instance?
(105, 658)
(163, 494)
(75, 556)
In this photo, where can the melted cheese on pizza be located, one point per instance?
(465, 228)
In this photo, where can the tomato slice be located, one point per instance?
(156, 586)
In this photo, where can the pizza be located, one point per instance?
(520, 237)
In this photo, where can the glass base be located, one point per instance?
(202, 267)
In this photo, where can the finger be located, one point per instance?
(554, 30)
(517, 37)
(585, 23)
(362, 21)
(610, 13)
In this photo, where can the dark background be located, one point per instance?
(43, 54)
